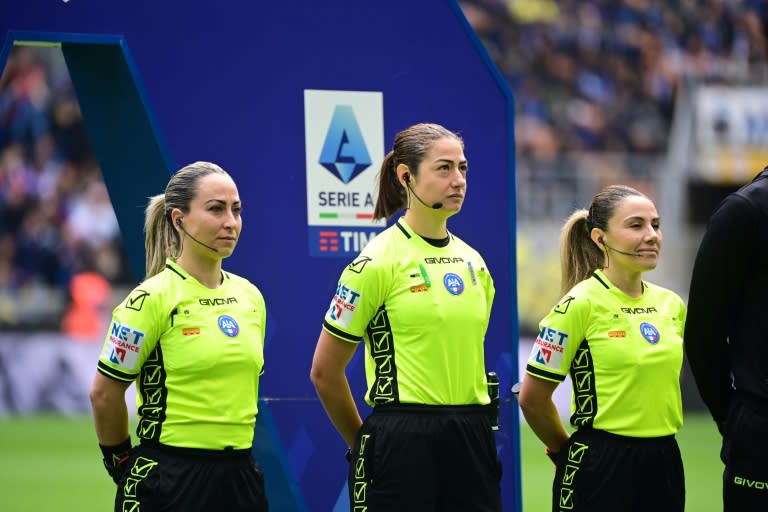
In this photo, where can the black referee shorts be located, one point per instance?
(602, 472)
(744, 453)
(165, 478)
(418, 457)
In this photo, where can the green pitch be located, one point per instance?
(53, 463)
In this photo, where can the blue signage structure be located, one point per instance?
(298, 101)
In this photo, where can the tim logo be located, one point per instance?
(328, 241)
(344, 151)
(339, 242)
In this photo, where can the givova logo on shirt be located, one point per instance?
(124, 345)
(343, 305)
(549, 347)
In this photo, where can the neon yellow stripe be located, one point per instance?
(38, 44)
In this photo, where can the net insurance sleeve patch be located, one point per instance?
(556, 332)
(357, 296)
(343, 305)
(131, 326)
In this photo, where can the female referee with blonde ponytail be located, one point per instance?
(191, 336)
(621, 340)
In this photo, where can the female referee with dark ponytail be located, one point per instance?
(419, 299)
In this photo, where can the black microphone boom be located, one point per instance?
(622, 252)
(435, 206)
(196, 240)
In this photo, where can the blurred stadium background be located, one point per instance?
(668, 96)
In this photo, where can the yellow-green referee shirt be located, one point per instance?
(623, 355)
(423, 312)
(196, 355)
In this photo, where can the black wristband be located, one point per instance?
(113, 455)
(115, 458)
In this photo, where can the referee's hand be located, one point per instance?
(116, 459)
(553, 456)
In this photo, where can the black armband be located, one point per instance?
(115, 459)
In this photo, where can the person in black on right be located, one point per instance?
(726, 339)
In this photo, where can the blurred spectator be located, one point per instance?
(91, 218)
(87, 316)
(60, 245)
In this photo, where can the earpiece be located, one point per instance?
(178, 221)
(600, 239)
(407, 180)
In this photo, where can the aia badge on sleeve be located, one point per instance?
(228, 326)
(650, 333)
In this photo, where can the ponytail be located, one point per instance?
(161, 241)
(391, 194)
(579, 256)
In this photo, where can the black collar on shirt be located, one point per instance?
(435, 242)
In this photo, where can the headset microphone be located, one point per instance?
(600, 239)
(407, 179)
(181, 227)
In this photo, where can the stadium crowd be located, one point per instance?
(601, 75)
(595, 83)
(56, 219)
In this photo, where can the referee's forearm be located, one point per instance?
(545, 422)
(110, 414)
(336, 397)
(111, 424)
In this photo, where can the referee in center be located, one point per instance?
(419, 299)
